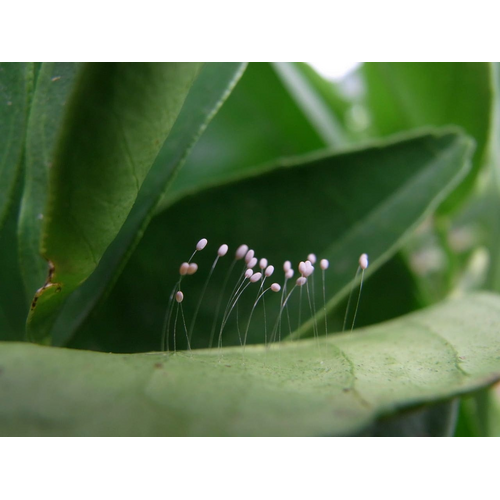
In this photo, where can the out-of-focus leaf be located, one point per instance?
(438, 420)
(313, 103)
(489, 199)
(480, 414)
(403, 96)
(259, 123)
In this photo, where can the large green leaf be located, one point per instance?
(260, 122)
(16, 83)
(117, 118)
(337, 387)
(55, 83)
(214, 84)
(402, 96)
(338, 206)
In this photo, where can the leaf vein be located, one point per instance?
(434, 333)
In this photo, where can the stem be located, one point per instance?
(273, 336)
(324, 302)
(229, 313)
(251, 314)
(191, 328)
(168, 315)
(359, 297)
(219, 303)
(349, 300)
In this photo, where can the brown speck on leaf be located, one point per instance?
(56, 78)
(51, 271)
(158, 365)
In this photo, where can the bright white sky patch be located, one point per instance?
(332, 70)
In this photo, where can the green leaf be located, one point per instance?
(117, 118)
(337, 387)
(55, 83)
(487, 201)
(479, 414)
(310, 95)
(328, 93)
(16, 83)
(214, 84)
(402, 96)
(338, 206)
(259, 123)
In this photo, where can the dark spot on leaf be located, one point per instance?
(346, 389)
(228, 366)
(58, 289)
(158, 365)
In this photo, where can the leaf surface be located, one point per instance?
(337, 387)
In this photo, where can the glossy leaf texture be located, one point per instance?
(403, 96)
(208, 93)
(116, 120)
(335, 205)
(338, 386)
(16, 85)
